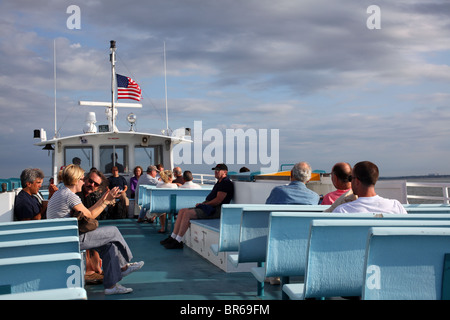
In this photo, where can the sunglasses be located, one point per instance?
(93, 182)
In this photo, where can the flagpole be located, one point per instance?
(113, 76)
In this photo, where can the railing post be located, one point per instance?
(445, 194)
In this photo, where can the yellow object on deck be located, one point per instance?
(314, 176)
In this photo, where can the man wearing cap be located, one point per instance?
(222, 193)
(149, 178)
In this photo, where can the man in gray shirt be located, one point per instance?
(149, 178)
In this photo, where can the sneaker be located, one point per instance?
(174, 245)
(132, 267)
(167, 240)
(118, 289)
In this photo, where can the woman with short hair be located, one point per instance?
(108, 241)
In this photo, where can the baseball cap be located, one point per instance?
(152, 168)
(220, 166)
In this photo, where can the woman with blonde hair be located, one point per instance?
(108, 241)
(166, 177)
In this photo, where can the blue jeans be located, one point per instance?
(113, 251)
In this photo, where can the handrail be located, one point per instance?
(204, 178)
(444, 186)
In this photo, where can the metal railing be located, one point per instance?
(203, 178)
(432, 190)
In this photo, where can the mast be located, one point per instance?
(54, 80)
(165, 88)
(113, 79)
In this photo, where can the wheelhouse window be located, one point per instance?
(113, 156)
(145, 156)
(81, 156)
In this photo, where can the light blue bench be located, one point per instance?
(231, 218)
(28, 224)
(41, 246)
(254, 242)
(405, 264)
(254, 230)
(144, 195)
(52, 294)
(41, 272)
(301, 234)
(36, 233)
(427, 209)
(170, 201)
(335, 255)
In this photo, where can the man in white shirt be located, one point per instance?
(364, 176)
(188, 184)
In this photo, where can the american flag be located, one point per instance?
(127, 88)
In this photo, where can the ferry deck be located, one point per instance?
(177, 274)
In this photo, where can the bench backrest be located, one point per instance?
(255, 228)
(423, 210)
(36, 233)
(171, 200)
(29, 224)
(231, 218)
(405, 263)
(335, 255)
(42, 272)
(144, 195)
(11, 249)
(292, 230)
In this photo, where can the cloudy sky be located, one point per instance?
(335, 89)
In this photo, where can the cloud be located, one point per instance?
(312, 69)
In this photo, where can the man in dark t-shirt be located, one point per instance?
(26, 204)
(222, 193)
(121, 210)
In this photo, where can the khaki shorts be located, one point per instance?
(202, 215)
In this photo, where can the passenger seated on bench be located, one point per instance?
(222, 193)
(95, 184)
(116, 180)
(26, 204)
(166, 177)
(364, 176)
(134, 180)
(188, 183)
(295, 192)
(148, 178)
(108, 241)
(178, 176)
(340, 177)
